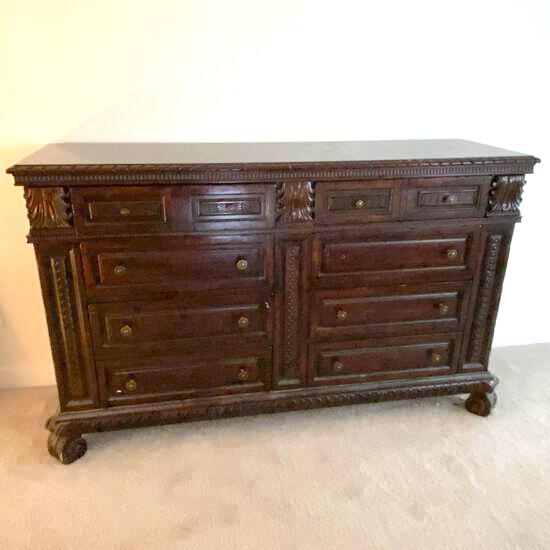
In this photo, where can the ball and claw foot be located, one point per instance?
(481, 403)
(65, 446)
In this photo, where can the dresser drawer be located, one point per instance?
(446, 198)
(122, 210)
(354, 259)
(366, 360)
(123, 267)
(192, 322)
(191, 208)
(386, 311)
(353, 202)
(181, 377)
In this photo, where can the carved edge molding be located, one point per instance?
(484, 299)
(505, 195)
(295, 202)
(78, 424)
(291, 320)
(60, 291)
(174, 173)
(49, 207)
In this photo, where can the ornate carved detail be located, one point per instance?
(67, 342)
(49, 207)
(485, 294)
(79, 423)
(291, 308)
(295, 202)
(154, 173)
(505, 195)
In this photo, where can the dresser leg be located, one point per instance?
(481, 403)
(66, 445)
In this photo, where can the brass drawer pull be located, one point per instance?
(131, 385)
(359, 203)
(443, 308)
(242, 375)
(338, 366)
(243, 322)
(341, 315)
(449, 199)
(124, 211)
(119, 269)
(452, 253)
(126, 331)
(242, 265)
(436, 357)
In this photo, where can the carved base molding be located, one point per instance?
(67, 428)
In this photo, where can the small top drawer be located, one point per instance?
(353, 202)
(130, 209)
(446, 198)
(189, 208)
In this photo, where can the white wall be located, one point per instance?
(246, 70)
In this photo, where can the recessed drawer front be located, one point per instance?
(399, 257)
(121, 268)
(446, 198)
(366, 360)
(386, 311)
(130, 209)
(155, 327)
(353, 202)
(181, 377)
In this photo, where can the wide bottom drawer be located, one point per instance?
(381, 359)
(186, 376)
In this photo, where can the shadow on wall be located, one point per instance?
(25, 356)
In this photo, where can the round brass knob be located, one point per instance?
(242, 265)
(242, 375)
(243, 322)
(359, 203)
(443, 308)
(119, 269)
(450, 199)
(338, 366)
(126, 331)
(341, 315)
(131, 385)
(452, 253)
(124, 211)
(436, 357)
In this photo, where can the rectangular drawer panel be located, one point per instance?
(181, 377)
(355, 202)
(190, 208)
(353, 259)
(129, 209)
(153, 327)
(380, 311)
(446, 198)
(123, 267)
(366, 360)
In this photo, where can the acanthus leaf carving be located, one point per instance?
(505, 195)
(48, 207)
(295, 201)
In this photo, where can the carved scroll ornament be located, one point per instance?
(48, 207)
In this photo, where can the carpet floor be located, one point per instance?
(405, 475)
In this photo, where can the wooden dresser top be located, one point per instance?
(86, 163)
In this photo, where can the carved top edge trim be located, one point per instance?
(25, 174)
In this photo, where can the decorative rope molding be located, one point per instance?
(133, 174)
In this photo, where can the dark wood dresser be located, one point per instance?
(199, 281)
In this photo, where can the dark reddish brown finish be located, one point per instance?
(177, 291)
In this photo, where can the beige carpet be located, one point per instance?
(418, 474)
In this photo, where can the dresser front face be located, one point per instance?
(164, 292)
